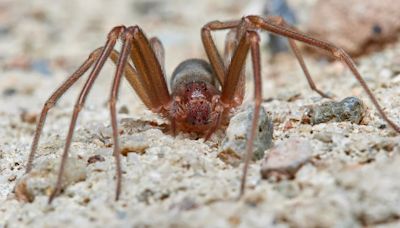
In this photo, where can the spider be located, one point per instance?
(202, 94)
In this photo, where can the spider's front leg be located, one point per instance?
(145, 81)
(148, 82)
(247, 40)
(98, 57)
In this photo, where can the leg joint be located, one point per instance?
(253, 35)
(49, 104)
(338, 52)
(112, 102)
(116, 32)
(211, 25)
(254, 20)
(135, 31)
(78, 107)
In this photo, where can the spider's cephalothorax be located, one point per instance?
(195, 91)
(196, 102)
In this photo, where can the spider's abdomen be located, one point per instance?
(192, 70)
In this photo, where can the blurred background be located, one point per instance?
(45, 40)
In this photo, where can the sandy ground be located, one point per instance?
(352, 180)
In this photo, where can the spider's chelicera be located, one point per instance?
(202, 93)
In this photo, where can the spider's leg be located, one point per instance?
(152, 78)
(127, 38)
(279, 20)
(135, 80)
(270, 24)
(231, 44)
(148, 80)
(249, 41)
(303, 65)
(254, 40)
(112, 38)
(235, 69)
(236, 51)
(53, 100)
(159, 50)
(212, 53)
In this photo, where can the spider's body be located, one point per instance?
(202, 93)
(194, 91)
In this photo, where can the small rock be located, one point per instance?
(349, 109)
(131, 126)
(95, 158)
(12, 178)
(9, 92)
(136, 143)
(123, 110)
(234, 144)
(41, 180)
(185, 204)
(28, 117)
(323, 137)
(286, 158)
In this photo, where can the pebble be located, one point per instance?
(136, 143)
(28, 117)
(123, 110)
(95, 158)
(286, 158)
(9, 92)
(349, 109)
(234, 144)
(41, 180)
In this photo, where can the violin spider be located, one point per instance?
(195, 103)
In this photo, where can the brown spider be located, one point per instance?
(195, 103)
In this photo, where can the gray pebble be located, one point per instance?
(234, 144)
(349, 109)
